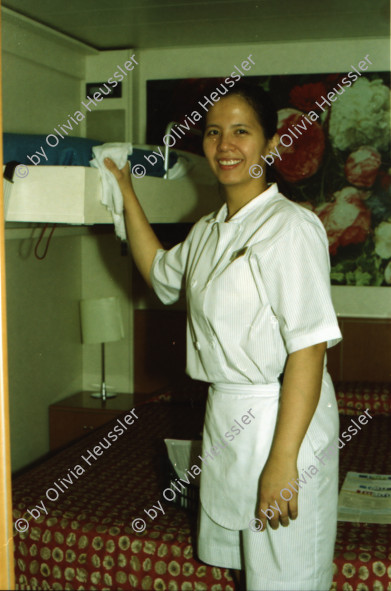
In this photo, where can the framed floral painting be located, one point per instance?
(335, 156)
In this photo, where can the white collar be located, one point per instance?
(221, 215)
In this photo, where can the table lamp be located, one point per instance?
(101, 322)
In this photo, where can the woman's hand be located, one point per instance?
(122, 175)
(275, 477)
(299, 397)
(143, 241)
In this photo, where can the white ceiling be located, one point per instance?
(115, 24)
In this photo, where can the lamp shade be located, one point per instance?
(101, 320)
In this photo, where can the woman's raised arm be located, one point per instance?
(142, 239)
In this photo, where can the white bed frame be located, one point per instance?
(72, 194)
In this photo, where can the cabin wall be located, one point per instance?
(43, 73)
(44, 347)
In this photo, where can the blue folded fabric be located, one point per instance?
(72, 151)
(156, 169)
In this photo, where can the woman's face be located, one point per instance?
(234, 140)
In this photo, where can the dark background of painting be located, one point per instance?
(172, 100)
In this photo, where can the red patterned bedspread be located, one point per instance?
(362, 558)
(87, 542)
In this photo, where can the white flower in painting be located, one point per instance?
(361, 116)
(383, 240)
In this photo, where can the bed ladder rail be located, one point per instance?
(8, 175)
(167, 147)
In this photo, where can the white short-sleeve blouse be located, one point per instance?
(257, 289)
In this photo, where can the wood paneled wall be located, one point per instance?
(160, 345)
(364, 354)
(159, 348)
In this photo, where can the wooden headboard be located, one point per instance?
(160, 349)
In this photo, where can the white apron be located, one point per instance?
(229, 481)
(223, 494)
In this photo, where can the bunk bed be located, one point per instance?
(61, 186)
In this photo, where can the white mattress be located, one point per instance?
(71, 195)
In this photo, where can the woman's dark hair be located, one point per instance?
(258, 99)
(261, 102)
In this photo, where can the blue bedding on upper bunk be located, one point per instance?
(70, 151)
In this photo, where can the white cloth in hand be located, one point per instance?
(111, 193)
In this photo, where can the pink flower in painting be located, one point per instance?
(347, 220)
(301, 155)
(362, 166)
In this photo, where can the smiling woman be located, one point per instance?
(252, 292)
(236, 345)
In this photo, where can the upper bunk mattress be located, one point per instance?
(32, 149)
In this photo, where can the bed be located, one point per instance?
(362, 557)
(64, 188)
(86, 541)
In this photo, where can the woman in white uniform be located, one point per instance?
(260, 318)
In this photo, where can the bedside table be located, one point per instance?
(79, 414)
